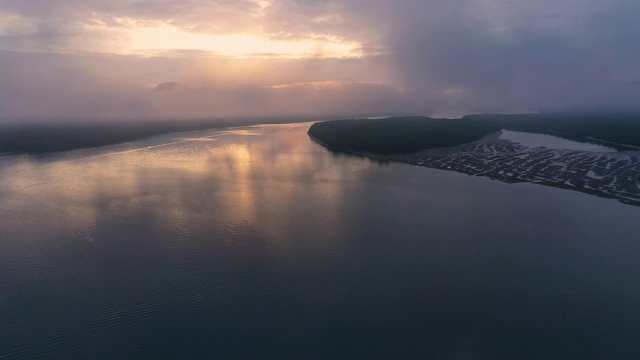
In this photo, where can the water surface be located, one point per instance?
(552, 142)
(257, 243)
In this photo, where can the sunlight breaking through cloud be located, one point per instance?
(96, 59)
(170, 38)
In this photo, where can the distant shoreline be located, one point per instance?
(49, 138)
(39, 138)
(605, 174)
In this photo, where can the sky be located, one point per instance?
(147, 59)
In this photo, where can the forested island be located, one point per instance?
(399, 135)
(472, 145)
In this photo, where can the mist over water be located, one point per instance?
(255, 242)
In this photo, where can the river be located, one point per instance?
(256, 243)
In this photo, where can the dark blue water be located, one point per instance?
(256, 243)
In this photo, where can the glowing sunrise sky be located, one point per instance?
(98, 59)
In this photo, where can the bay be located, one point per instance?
(255, 242)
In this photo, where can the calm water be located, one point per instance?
(552, 142)
(255, 243)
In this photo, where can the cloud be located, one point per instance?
(524, 57)
(68, 86)
(65, 58)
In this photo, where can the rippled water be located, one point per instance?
(257, 243)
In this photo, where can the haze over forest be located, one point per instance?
(126, 59)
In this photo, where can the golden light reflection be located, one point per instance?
(234, 162)
(265, 186)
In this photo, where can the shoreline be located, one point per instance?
(44, 139)
(606, 175)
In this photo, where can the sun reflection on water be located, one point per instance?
(252, 177)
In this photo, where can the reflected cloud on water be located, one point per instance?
(210, 183)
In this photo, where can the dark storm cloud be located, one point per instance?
(559, 55)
